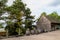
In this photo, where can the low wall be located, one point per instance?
(2, 33)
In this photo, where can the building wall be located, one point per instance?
(2, 33)
(44, 24)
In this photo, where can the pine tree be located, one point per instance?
(18, 10)
(28, 19)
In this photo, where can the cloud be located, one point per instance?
(38, 6)
(55, 3)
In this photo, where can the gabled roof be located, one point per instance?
(53, 20)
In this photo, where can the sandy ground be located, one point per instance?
(55, 35)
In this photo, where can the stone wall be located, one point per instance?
(44, 24)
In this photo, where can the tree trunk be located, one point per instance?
(19, 32)
(7, 33)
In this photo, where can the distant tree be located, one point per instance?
(59, 18)
(44, 13)
(54, 15)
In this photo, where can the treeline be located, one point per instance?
(53, 15)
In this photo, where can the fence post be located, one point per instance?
(19, 32)
(7, 33)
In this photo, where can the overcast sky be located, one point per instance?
(39, 6)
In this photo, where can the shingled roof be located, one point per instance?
(53, 20)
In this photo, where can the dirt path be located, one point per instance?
(55, 35)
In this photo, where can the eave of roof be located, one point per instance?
(52, 20)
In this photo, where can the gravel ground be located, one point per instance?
(54, 35)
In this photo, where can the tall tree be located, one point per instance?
(16, 11)
(28, 19)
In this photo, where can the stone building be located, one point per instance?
(47, 23)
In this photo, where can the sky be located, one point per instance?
(39, 6)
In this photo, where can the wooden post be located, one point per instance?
(7, 33)
(19, 32)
